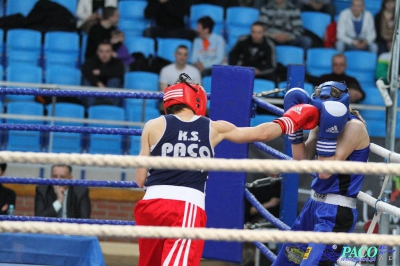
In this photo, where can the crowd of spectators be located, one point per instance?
(279, 23)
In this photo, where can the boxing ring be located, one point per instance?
(232, 100)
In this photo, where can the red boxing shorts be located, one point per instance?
(169, 212)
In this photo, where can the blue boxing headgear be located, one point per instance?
(330, 91)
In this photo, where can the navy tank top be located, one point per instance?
(182, 139)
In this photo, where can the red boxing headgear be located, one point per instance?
(190, 94)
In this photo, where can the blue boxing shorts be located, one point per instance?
(320, 216)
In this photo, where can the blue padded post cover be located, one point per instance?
(232, 89)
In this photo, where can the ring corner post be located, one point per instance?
(231, 94)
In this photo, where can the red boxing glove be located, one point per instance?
(300, 116)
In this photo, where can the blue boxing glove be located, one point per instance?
(294, 97)
(333, 118)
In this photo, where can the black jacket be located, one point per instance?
(78, 202)
(7, 196)
(112, 69)
(258, 55)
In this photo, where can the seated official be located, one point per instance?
(62, 201)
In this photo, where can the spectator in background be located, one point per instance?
(103, 71)
(7, 196)
(283, 24)
(169, 18)
(89, 12)
(338, 74)
(356, 29)
(132, 62)
(384, 26)
(101, 31)
(170, 73)
(62, 201)
(257, 51)
(208, 48)
(324, 6)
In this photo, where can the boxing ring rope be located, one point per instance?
(230, 165)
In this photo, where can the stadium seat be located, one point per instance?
(132, 27)
(19, 6)
(234, 33)
(288, 54)
(206, 83)
(134, 108)
(319, 61)
(144, 45)
(141, 80)
(63, 141)
(166, 47)
(105, 143)
(18, 49)
(341, 4)
(23, 73)
(84, 38)
(373, 6)
(134, 145)
(316, 22)
(63, 75)
(361, 65)
(263, 85)
(375, 119)
(308, 87)
(259, 119)
(61, 48)
(132, 9)
(241, 16)
(214, 11)
(1, 47)
(24, 140)
(68, 4)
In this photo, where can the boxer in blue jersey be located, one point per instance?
(342, 136)
(176, 197)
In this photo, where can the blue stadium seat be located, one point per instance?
(151, 113)
(206, 83)
(361, 65)
(62, 141)
(375, 119)
(23, 73)
(259, 119)
(68, 4)
(63, 75)
(234, 33)
(308, 87)
(61, 48)
(373, 6)
(18, 49)
(319, 61)
(1, 47)
(166, 47)
(104, 143)
(316, 22)
(19, 6)
(241, 16)
(132, 27)
(214, 11)
(134, 145)
(288, 54)
(132, 9)
(134, 108)
(141, 80)
(144, 45)
(341, 4)
(84, 38)
(262, 85)
(24, 140)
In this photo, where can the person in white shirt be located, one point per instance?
(170, 73)
(356, 29)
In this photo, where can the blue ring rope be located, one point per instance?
(72, 129)
(63, 220)
(266, 251)
(67, 182)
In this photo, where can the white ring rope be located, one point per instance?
(212, 164)
(380, 205)
(238, 235)
(391, 156)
